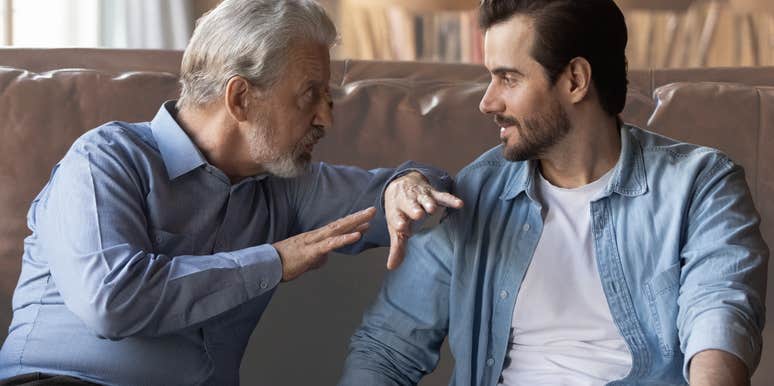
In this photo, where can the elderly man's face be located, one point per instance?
(294, 114)
(520, 95)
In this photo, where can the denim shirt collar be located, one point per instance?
(628, 176)
(179, 153)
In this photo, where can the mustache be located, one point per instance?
(505, 121)
(314, 135)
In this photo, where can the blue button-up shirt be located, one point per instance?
(146, 266)
(679, 254)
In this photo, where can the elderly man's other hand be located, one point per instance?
(410, 198)
(309, 250)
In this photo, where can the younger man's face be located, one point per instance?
(520, 95)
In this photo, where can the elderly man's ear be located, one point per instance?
(238, 96)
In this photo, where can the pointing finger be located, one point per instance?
(446, 199)
(397, 250)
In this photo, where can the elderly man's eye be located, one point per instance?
(306, 99)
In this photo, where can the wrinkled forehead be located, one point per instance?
(309, 60)
(509, 43)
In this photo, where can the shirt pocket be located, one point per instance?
(662, 292)
(171, 244)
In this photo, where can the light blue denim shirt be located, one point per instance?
(680, 256)
(146, 266)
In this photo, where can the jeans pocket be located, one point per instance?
(662, 292)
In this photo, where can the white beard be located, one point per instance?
(288, 165)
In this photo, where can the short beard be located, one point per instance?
(537, 134)
(297, 162)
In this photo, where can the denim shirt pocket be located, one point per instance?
(662, 292)
(171, 244)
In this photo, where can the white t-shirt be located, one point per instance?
(562, 332)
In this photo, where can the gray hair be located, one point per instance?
(249, 38)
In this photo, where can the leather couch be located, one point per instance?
(385, 112)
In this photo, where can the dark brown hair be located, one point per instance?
(566, 29)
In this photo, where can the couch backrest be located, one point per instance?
(385, 112)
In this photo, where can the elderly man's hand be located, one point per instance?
(309, 250)
(408, 198)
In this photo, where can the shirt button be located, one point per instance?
(264, 285)
(503, 294)
(525, 227)
(490, 362)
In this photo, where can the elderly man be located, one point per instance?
(594, 251)
(156, 246)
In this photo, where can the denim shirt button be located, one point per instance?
(490, 362)
(503, 294)
(264, 285)
(526, 227)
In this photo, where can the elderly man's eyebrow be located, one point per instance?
(312, 83)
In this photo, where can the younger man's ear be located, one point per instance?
(578, 79)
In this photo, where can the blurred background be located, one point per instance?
(663, 33)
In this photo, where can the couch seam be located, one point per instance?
(344, 74)
(760, 141)
(652, 83)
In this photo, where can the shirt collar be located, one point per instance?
(522, 179)
(179, 153)
(628, 177)
(629, 173)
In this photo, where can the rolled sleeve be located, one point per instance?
(723, 277)
(722, 331)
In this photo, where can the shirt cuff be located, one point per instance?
(438, 179)
(261, 268)
(720, 331)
